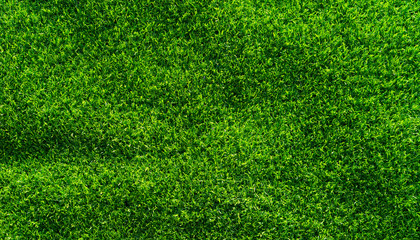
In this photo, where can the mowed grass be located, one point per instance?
(239, 119)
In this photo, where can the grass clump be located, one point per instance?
(209, 119)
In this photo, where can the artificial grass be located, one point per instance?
(170, 119)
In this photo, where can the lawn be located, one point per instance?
(209, 119)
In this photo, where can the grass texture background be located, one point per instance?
(237, 119)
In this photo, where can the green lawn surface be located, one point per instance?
(235, 119)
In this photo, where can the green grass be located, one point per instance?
(240, 119)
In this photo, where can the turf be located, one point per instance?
(239, 119)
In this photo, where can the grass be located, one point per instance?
(239, 119)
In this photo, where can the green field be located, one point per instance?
(236, 119)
